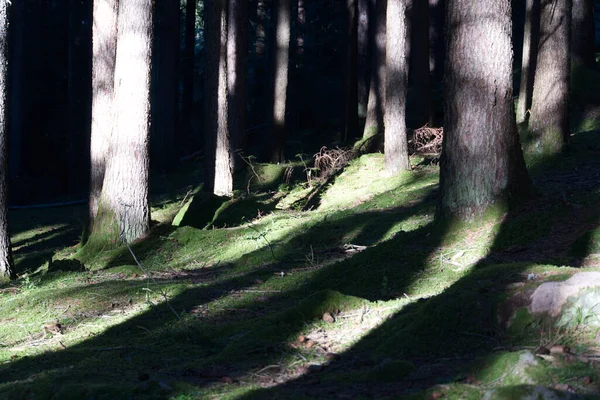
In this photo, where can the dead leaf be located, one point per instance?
(301, 338)
(309, 343)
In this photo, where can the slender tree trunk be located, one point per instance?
(281, 52)
(376, 104)
(104, 53)
(300, 33)
(419, 63)
(218, 176)
(17, 78)
(582, 31)
(396, 143)
(165, 87)
(189, 61)
(437, 47)
(482, 162)
(363, 56)
(123, 210)
(530, 48)
(350, 72)
(261, 34)
(549, 119)
(7, 270)
(237, 60)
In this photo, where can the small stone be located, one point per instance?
(327, 317)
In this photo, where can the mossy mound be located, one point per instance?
(199, 211)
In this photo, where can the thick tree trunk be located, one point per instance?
(482, 162)
(350, 72)
(104, 53)
(123, 210)
(376, 104)
(237, 60)
(530, 48)
(281, 52)
(7, 270)
(396, 143)
(165, 86)
(189, 62)
(218, 176)
(549, 121)
(582, 31)
(363, 56)
(419, 63)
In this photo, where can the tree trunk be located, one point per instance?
(189, 62)
(376, 104)
(104, 53)
(549, 121)
(582, 31)
(7, 270)
(261, 34)
(123, 210)
(482, 163)
(396, 143)
(277, 123)
(165, 86)
(350, 72)
(237, 60)
(17, 78)
(528, 65)
(419, 63)
(218, 177)
(363, 56)
(437, 47)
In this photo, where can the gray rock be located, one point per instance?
(550, 297)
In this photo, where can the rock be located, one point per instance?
(550, 297)
(327, 317)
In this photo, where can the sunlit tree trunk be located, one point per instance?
(123, 209)
(375, 107)
(549, 120)
(530, 49)
(7, 270)
(350, 72)
(482, 163)
(281, 52)
(419, 63)
(189, 60)
(583, 52)
(104, 52)
(218, 177)
(363, 56)
(396, 143)
(237, 60)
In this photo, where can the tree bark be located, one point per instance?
(419, 63)
(376, 104)
(189, 62)
(350, 72)
(396, 143)
(104, 54)
(218, 176)
(7, 270)
(17, 78)
(123, 210)
(582, 31)
(237, 60)
(549, 121)
(363, 56)
(530, 48)
(281, 52)
(437, 47)
(482, 163)
(165, 86)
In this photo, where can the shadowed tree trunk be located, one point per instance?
(104, 53)
(363, 56)
(189, 59)
(17, 79)
(218, 176)
(530, 49)
(396, 143)
(375, 107)
(549, 120)
(582, 31)
(350, 72)
(165, 86)
(482, 162)
(437, 46)
(419, 63)
(123, 210)
(7, 270)
(237, 59)
(280, 66)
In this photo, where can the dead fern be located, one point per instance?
(426, 141)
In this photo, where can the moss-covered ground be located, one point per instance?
(363, 295)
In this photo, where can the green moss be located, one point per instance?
(199, 211)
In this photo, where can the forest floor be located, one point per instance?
(358, 294)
